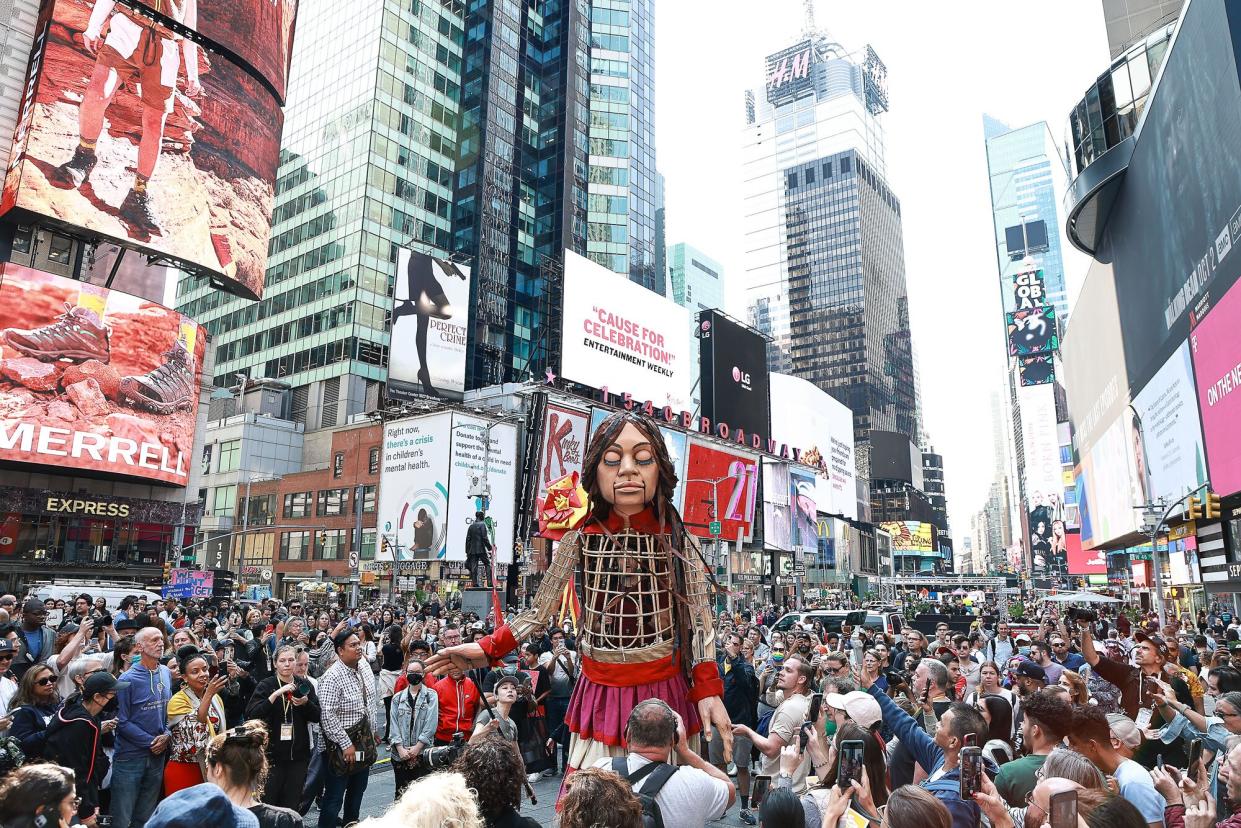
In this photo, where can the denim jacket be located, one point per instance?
(414, 720)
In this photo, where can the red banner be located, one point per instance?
(719, 485)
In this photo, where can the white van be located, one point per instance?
(112, 593)
(891, 623)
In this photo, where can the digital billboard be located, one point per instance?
(470, 458)
(619, 335)
(1032, 331)
(1082, 561)
(175, 156)
(430, 324)
(1029, 290)
(1172, 452)
(96, 380)
(258, 32)
(1216, 351)
(1037, 370)
(910, 537)
(734, 491)
(735, 384)
(803, 489)
(802, 414)
(562, 446)
(777, 514)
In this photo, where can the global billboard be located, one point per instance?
(734, 375)
(720, 484)
(430, 325)
(562, 444)
(619, 335)
(175, 156)
(805, 415)
(777, 514)
(1032, 331)
(1172, 453)
(96, 380)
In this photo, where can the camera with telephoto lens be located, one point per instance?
(441, 757)
(1082, 614)
(896, 677)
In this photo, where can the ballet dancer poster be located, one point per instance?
(430, 315)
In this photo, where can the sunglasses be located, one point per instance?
(43, 682)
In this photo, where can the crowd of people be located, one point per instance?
(175, 712)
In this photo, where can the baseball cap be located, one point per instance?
(34, 605)
(1124, 729)
(199, 805)
(1031, 670)
(1156, 641)
(1022, 637)
(6, 646)
(101, 682)
(507, 679)
(861, 707)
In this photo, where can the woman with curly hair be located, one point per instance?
(438, 799)
(493, 769)
(596, 798)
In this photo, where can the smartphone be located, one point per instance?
(850, 768)
(1195, 758)
(1063, 810)
(761, 784)
(971, 772)
(816, 705)
(971, 740)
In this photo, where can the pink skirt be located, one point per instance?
(599, 712)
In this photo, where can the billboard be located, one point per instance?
(1081, 561)
(777, 515)
(1217, 357)
(562, 445)
(258, 32)
(1172, 452)
(619, 335)
(1032, 331)
(189, 583)
(430, 467)
(1028, 289)
(802, 414)
(734, 492)
(96, 380)
(1037, 370)
(803, 488)
(176, 157)
(430, 324)
(735, 384)
(788, 72)
(910, 537)
(1109, 489)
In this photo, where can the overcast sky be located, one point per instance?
(947, 65)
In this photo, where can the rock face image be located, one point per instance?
(208, 200)
(69, 412)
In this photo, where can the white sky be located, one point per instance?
(948, 63)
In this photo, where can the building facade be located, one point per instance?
(696, 282)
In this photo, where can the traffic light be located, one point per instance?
(322, 539)
(383, 545)
(1193, 509)
(1211, 508)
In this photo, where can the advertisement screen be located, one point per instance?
(259, 32)
(176, 158)
(1032, 331)
(735, 385)
(1083, 562)
(1172, 451)
(96, 380)
(777, 515)
(736, 487)
(1037, 370)
(910, 537)
(802, 414)
(1217, 356)
(620, 335)
(803, 488)
(430, 323)
(562, 446)
(1112, 491)
(470, 456)
(1028, 289)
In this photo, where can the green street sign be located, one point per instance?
(716, 527)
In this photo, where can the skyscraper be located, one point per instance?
(367, 161)
(1130, 21)
(696, 282)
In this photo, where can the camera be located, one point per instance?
(1076, 614)
(104, 621)
(896, 677)
(441, 757)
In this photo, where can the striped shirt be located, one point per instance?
(345, 696)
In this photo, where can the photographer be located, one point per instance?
(796, 681)
(288, 706)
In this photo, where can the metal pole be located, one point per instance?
(245, 528)
(357, 541)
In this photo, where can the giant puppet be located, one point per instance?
(647, 628)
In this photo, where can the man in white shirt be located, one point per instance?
(690, 793)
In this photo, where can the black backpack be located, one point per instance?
(660, 773)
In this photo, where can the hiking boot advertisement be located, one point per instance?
(96, 379)
(134, 133)
(429, 327)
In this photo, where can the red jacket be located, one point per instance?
(1174, 817)
(458, 704)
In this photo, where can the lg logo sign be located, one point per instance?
(741, 377)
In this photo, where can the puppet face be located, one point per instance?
(628, 472)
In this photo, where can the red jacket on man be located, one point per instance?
(458, 704)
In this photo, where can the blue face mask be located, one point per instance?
(1023, 650)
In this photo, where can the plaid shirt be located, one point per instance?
(345, 696)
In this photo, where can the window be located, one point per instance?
(368, 500)
(297, 505)
(792, 179)
(373, 466)
(230, 456)
(333, 544)
(294, 546)
(338, 464)
(368, 544)
(332, 502)
(261, 510)
(809, 175)
(224, 501)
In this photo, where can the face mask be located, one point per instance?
(414, 678)
(112, 706)
(829, 728)
(1023, 650)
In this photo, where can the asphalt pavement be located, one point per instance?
(380, 790)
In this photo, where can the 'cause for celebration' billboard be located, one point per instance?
(619, 334)
(96, 380)
(430, 315)
(176, 157)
